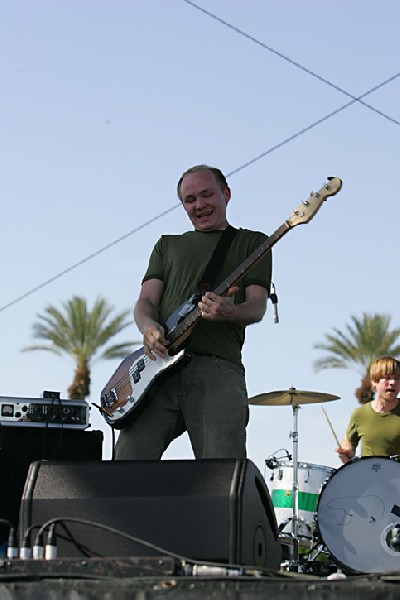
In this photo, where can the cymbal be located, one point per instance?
(291, 397)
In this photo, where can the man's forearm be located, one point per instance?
(248, 312)
(145, 314)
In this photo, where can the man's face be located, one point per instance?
(204, 201)
(388, 387)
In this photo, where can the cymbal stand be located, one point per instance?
(294, 548)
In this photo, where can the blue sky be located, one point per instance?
(104, 104)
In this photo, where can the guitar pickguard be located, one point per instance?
(133, 384)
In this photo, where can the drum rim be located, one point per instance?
(300, 463)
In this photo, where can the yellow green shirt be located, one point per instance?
(378, 432)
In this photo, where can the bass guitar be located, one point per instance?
(137, 377)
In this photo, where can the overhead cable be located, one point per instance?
(291, 61)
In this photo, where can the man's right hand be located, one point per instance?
(345, 455)
(154, 341)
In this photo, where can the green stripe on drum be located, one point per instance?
(284, 499)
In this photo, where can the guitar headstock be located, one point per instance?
(309, 208)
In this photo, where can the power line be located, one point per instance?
(240, 168)
(318, 122)
(291, 61)
(84, 260)
(160, 215)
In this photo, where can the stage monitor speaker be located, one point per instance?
(210, 510)
(20, 446)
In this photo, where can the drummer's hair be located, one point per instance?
(384, 366)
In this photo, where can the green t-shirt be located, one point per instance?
(379, 432)
(179, 262)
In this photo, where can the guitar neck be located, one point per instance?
(184, 328)
(251, 260)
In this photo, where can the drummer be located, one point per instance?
(376, 424)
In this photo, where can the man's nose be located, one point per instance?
(200, 202)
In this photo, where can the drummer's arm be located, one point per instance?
(346, 450)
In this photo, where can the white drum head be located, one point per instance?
(358, 515)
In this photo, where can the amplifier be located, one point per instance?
(44, 412)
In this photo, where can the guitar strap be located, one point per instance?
(207, 281)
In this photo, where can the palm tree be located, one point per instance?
(80, 333)
(363, 341)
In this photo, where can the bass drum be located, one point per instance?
(358, 515)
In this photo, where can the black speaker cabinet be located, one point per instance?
(20, 446)
(212, 510)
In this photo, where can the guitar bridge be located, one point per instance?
(110, 398)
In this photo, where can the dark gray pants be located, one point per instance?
(208, 398)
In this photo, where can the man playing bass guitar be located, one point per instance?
(207, 397)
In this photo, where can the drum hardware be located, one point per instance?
(394, 541)
(285, 522)
(313, 561)
(294, 398)
(320, 567)
(273, 461)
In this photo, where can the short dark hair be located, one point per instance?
(218, 174)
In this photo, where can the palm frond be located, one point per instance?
(78, 332)
(363, 340)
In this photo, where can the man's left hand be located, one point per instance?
(218, 308)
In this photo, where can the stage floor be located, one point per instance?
(144, 578)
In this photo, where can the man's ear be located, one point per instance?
(227, 193)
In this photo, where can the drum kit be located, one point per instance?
(346, 516)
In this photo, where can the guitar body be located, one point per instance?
(134, 383)
(137, 378)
